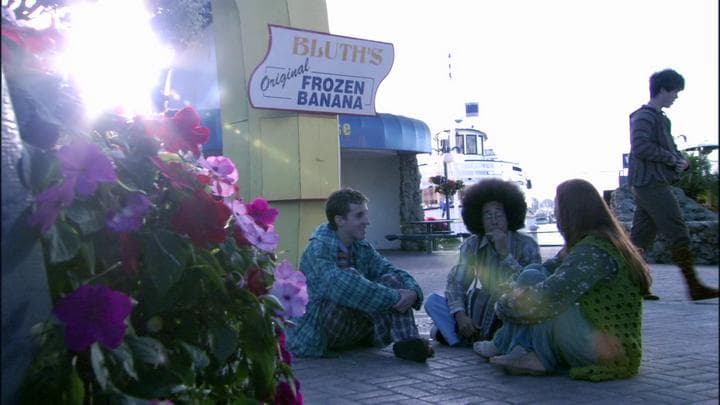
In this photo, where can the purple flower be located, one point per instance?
(223, 173)
(130, 218)
(50, 202)
(285, 272)
(290, 289)
(93, 313)
(85, 163)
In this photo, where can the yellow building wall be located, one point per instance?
(291, 159)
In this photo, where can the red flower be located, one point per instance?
(284, 394)
(285, 355)
(129, 252)
(33, 42)
(255, 281)
(181, 132)
(203, 219)
(175, 172)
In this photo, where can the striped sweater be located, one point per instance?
(652, 150)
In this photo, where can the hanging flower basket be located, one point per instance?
(446, 186)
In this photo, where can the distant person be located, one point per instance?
(655, 163)
(356, 296)
(492, 210)
(444, 206)
(581, 310)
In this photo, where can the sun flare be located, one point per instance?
(113, 56)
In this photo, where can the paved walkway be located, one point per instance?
(680, 359)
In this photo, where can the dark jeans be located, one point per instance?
(657, 210)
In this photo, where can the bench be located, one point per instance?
(429, 238)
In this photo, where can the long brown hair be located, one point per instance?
(582, 212)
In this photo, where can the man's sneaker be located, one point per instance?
(415, 349)
(485, 348)
(520, 362)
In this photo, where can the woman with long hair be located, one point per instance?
(582, 310)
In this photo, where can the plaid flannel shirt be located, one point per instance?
(327, 281)
(523, 250)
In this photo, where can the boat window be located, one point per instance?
(460, 143)
(471, 145)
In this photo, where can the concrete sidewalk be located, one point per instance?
(680, 358)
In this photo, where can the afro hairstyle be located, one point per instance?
(504, 192)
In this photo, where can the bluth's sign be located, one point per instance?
(313, 71)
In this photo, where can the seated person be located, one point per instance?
(492, 210)
(585, 311)
(355, 295)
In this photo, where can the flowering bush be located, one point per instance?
(164, 282)
(446, 186)
(441, 227)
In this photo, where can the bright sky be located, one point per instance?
(555, 79)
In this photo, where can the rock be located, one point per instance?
(702, 224)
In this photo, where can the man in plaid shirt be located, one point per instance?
(356, 296)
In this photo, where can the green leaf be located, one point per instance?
(165, 256)
(63, 242)
(88, 217)
(223, 342)
(75, 393)
(198, 357)
(97, 359)
(124, 356)
(87, 249)
(147, 350)
(36, 167)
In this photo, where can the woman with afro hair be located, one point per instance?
(493, 210)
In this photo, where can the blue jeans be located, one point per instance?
(567, 340)
(437, 308)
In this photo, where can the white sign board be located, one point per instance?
(312, 71)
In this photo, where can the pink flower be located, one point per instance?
(248, 232)
(50, 202)
(223, 174)
(261, 212)
(290, 288)
(85, 163)
(93, 313)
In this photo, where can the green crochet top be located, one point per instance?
(614, 307)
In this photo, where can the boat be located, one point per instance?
(463, 154)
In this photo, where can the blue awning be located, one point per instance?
(384, 132)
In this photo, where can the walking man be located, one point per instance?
(655, 163)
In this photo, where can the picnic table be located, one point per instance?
(430, 234)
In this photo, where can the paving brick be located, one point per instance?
(673, 369)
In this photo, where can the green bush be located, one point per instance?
(699, 183)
